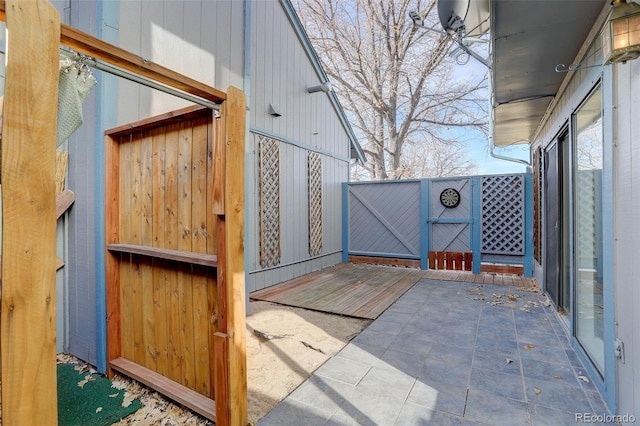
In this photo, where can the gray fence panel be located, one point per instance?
(455, 234)
(454, 237)
(384, 218)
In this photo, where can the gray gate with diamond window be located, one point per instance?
(464, 223)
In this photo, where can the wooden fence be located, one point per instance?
(182, 271)
(174, 229)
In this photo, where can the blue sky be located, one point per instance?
(477, 143)
(487, 165)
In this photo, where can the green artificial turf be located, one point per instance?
(95, 403)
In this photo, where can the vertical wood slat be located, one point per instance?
(28, 324)
(458, 257)
(147, 309)
(127, 278)
(468, 260)
(450, 260)
(159, 276)
(112, 236)
(199, 233)
(171, 230)
(185, 229)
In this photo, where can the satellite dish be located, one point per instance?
(472, 14)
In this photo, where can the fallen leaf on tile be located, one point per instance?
(583, 378)
(536, 391)
(508, 360)
(546, 303)
(513, 297)
(98, 409)
(558, 376)
(529, 347)
(113, 395)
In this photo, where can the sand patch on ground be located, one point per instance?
(298, 342)
(284, 346)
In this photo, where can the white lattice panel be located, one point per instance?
(587, 222)
(269, 202)
(503, 214)
(314, 183)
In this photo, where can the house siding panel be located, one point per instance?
(204, 40)
(626, 203)
(627, 232)
(280, 74)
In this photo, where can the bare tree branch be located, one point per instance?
(396, 84)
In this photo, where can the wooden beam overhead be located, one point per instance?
(103, 51)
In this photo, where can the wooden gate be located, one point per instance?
(175, 278)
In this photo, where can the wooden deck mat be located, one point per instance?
(357, 290)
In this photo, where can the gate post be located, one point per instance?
(345, 222)
(230, 342)
(28, 335)
(528, 225)
(476, 230)
(425, 236)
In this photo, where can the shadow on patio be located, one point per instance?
(449, 352)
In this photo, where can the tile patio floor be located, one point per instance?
(449, 353)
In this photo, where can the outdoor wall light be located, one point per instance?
(274, 111)
(324, 87)
(621, 34)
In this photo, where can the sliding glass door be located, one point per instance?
(588, 153)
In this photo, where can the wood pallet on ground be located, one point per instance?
(358, 290)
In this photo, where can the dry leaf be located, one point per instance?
(86, 380)
(546, 303)
(508, 360)
(98, 409)
(513, 297)
(528, 347)
(127, 399)
(113, 395)
(583, 378)
(537, 391)
(558, 376)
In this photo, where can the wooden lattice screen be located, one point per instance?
(175, 197)
(314, 190)
(269, 202)
(537, 205)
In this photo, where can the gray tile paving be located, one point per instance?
(449, 353)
